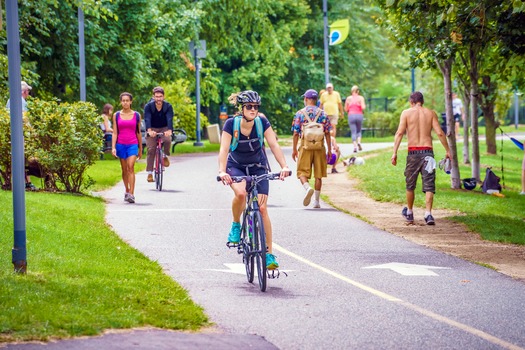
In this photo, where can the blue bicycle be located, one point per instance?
(252, 245)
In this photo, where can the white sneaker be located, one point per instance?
(317, 204)
(522, 193)
(308, 196)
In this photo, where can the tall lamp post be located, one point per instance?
(199, 51)
(516, 108)
(326, 52)
(413, 75)
(19, 257)
(81, 54)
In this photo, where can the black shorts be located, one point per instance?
(263, 187)
(416, 164)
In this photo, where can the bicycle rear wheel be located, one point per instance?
(259, 249)
(247, 256)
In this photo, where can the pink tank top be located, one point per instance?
(354, 107)
(127, 130)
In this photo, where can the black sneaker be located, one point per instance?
(430, 220)
(30, 187)
(409, 217)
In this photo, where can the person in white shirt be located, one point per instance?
(457, 111)
(25, 92)
(26, 88)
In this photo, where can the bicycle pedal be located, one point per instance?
(232, 245)
(272, 274)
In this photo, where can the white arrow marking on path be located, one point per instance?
(409, 269)
(239, 268)
(233, 268)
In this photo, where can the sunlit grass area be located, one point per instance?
(495, 218)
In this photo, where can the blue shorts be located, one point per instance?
(126, 151)
(263, 187)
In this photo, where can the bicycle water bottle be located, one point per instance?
(250, 226)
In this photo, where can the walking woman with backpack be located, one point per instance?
(242, 153)
(127, 143)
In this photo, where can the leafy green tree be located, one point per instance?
(251, 49)
(480, 51)
(421, 28)
(178, 94)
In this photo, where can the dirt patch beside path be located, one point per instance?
(446, 236)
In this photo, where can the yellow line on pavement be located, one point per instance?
(425, 312)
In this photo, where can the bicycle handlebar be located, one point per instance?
(257, 178)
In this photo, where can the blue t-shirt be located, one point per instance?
(249, 150)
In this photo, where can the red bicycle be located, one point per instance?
(178, 136)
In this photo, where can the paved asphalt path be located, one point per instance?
(349, 285)
(332, 297)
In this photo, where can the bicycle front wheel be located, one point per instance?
(158, 169)
(247, 256)
(259, 247)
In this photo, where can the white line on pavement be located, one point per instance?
(406, 304)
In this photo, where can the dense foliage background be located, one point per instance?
(272, 46)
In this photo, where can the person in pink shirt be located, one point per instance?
(127, 143)
(354, 106)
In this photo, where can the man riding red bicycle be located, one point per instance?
(158, 117)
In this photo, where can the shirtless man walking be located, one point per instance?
(418, 122)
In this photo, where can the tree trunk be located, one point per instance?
(446, 69)
(474, 91)
(466, 127)
(488, 96)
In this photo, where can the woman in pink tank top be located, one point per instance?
(127, 143)
(354, 106)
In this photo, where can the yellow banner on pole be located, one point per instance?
(339, 31)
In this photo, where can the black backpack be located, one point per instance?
(491, 182)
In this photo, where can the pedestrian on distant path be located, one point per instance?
(354, 106)
(106, 126)
(249, 158)
(332, 105)
(458, 112)
(127, 143)
(418, 122)
(311, 151)
(25, 89)
(158, 118)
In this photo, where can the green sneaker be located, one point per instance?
(271, 263)
(235, 233)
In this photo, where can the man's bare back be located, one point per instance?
(419, 124)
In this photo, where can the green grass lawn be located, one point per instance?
(189, 147)
(81, 277)
(496, 219)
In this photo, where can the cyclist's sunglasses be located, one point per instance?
(250, 107)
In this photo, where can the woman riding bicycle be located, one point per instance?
(249, 158)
